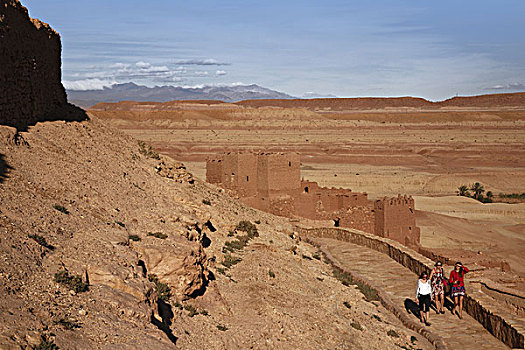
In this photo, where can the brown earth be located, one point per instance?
(386, 147)
(276, 296)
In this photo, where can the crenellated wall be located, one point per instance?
(271, 182)
(30, 68)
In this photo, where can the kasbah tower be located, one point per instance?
(272, 182)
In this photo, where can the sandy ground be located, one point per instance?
(426, 153)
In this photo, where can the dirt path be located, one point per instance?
(399, 283)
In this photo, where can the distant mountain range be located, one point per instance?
(140, 93)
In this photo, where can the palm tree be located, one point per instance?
(463, 191)
(478, 190)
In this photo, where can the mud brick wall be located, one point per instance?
(278, 174)
(501, 327)
(395, 219)
(359, 218)
(214, 170)
(30, 67)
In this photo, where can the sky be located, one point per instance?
(430, 49)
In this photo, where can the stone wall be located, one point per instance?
(30, 68)
(503, 328)
(395, 219)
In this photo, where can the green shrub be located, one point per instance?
(204, 313)
(222, 328)
(347, 280)
(356, 325)
(229, 260)
(377, 318)
(41, 240)
(74, 283)
(163, 290)
(191, 309)
(206, 202)
(221, 270)
(134, 238)
(61, 208)
(271, 274)
(158, 235)
(316, 256)
(247, 227)
(147, 150)
(413, 339)
(121, 224)
(392, 333)
(347, 304)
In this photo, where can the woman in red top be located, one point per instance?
(458, 286)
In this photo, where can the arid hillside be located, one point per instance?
(84, 198)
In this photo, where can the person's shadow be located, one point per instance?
(412, 308)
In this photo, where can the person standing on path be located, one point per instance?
(438, 280)
(458, 287)
(423, 296)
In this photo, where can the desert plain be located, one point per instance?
(379, 146)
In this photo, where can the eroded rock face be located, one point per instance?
(30, 75)
(179, 263)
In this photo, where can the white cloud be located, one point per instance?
(508, 87)
(88, 84)
(220, 72)
(202, 62)
(201, 73)
(143, 65)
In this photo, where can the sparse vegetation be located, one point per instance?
(229, 260)
(413, 339)
(316, 256)
(147, 150)
(347, 304)
(163, 290)
(46, 344)
(477, 192)
(134, 238)
(159, 235)
(512, 195)
(392, 333)
(206, 202)
(377, 318)
(41, 240)
(178, 305)
(356, 325)
(61, 209)
(271, 274)
(221, 270)
(74, 283)
(306, 257)
(247, 227)
(191, 309)
(347, 280)
(121, 224)
(204, 313)
(222, 328)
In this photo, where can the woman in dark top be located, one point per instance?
(458, 287)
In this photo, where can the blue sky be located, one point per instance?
(432, 49)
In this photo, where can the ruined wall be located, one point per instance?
(278, 174)
(30, 73)
(359, 218)
(395, 219)
(214, 170)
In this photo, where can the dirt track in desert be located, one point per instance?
(418, 151)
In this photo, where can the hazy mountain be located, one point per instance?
(140, 93)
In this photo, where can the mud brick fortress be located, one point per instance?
(272, 182)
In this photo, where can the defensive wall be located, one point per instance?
(30, 70)
(508, 328)
(272, 182)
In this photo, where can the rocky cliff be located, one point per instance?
(30, 75)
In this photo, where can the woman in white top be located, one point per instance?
(423, 296)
